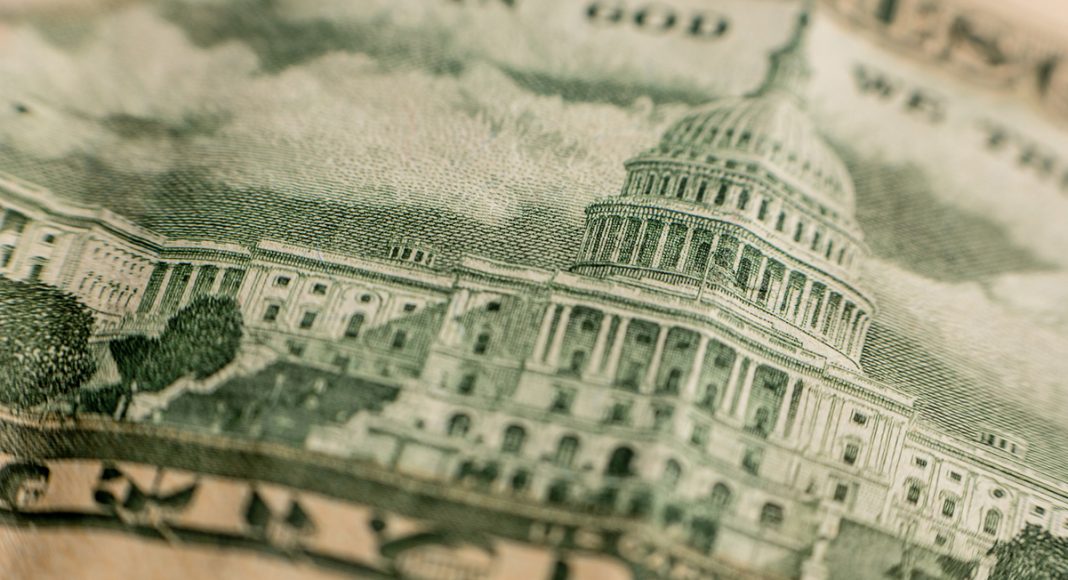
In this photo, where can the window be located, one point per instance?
(991, 522)
(780, 223)
(49, 238)
(913, 495)
(1038, 510)
(940, 540)
(621, 462)
(281, 281)
(672, 473)
(949, 506)
(308, 319)
(352, 329)
(35, 272)
(319, 289)
(954, 476)
(566, 450)
(409, 307)
(620, 413)
(852, 451)
(841, 492)
(562, 401)
(800, 231)
(771, 514)
(494, 306)
(466, 386)
(998, 493)
(399, 340)
(720, 496)
(752, 459)
(699, 435)
(920, 462)
(365, 298)
(5, 256)
(481, 343)
(459, 425)
(514, 436)
(860, 418)
(271, 314)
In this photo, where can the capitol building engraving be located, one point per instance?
(698, 366)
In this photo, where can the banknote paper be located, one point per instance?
(555, 289)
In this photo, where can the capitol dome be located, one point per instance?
(744, 204)
(773, 129)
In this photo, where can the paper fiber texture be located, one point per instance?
(494, 289)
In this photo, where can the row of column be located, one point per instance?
(839, 321)
(721, 192)
(608, 349)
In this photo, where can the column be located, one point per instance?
(859, 341)
(843, 324)
(448, 331)
(553, 359)
(738, 256)
(654, 363)
(541, 341)
(639, 239)
(784, 407)
(830, 317)
(747, 388)
(732, 381)
(872, 456)
(780, 293)
(684, 254)
(854, 324)
(754, 292)
(660, 244)
(802, 306)
(162, 289)
(689, 392)
(819, 308)
(611, 366)
(597, 354)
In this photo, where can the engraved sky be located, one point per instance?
(192, 116)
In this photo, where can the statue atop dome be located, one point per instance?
(789, 70)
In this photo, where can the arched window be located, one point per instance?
(459, 425)
(352, 329)
(991, 522)
(701, 191)
(566, 450)
(664, 185)
(619, 464)
(672, 473)
(514, 436)
(649, 183)
(482, 343)
(720, 496)
(771, 514)
(780, 224)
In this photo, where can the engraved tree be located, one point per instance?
(1034, 553)
(198, 340)
(44, 343)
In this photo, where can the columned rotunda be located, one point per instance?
(744, 200)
